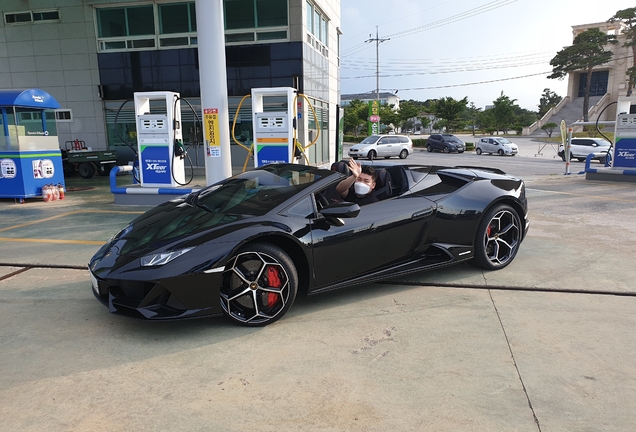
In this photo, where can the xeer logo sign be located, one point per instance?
(626, 154)
(159, 169)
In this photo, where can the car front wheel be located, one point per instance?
(404, 154)
(259, 285)
(372, 155)
(478, 150)
(498, 237)
(429, 148)
(500, 152)
(446, 149)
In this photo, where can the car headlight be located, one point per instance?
(162, 258)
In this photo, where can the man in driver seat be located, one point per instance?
(358, 186)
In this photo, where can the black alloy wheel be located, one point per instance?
(498, 237)
(259, 285)
(404, 154)
(446, 149)
(429, 148)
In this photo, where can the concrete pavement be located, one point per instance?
(546, 344)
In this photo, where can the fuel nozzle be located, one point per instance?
(179, 149)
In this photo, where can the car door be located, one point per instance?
(492, 146)
(383, 234)
(384, 146)
(436, 142)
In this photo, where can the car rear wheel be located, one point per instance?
(404, 154)
(429, 148)
(500, 152)
(478, 150)
(446, 149)
(259, 285)
(372, 155)
(498, 237)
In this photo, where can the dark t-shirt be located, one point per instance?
(352, 197)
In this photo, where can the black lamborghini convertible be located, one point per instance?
(245, 246)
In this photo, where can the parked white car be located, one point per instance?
(581, 147)
(496, 145)
(382, 146)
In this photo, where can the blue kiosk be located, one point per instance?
(30, 156)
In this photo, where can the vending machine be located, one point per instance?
(30, 156)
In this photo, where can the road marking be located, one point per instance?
(582, 195)
(60, 241)
(64, 215)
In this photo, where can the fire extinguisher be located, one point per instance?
(45, 193)
(60, 190)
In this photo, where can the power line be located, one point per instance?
(473, 83)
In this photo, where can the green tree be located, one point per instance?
(355, 116)
(388, 117)
(587, 51)
(409, 110)
(549, 128)
(472, 116)
(450, 111)
(425, 121)
(549, 99)
(628, 18)
(503, 113)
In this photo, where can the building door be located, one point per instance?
(598, 86)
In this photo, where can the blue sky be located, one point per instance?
(435, 47)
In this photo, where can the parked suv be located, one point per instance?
(581, 147)
(376, 146)
(445, 142)
(498, 145)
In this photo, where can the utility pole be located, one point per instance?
(377, 41)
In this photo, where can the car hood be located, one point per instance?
(360, 146)
(167, 227)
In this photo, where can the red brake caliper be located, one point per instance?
(274, 282)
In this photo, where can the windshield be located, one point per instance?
(502, 141)
(254, 193)
(450, 138)
(370, 139)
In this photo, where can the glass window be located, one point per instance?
(46, 16)
(11, 18)
(130, 21)
(176, 18)
(310, 16)
(271, 13)
(272, 35)
(239, 14)
(141, 20)
(323, 31)
(111, 22)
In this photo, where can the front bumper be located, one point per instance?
(189, 296)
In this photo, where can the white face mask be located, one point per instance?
(361, 188)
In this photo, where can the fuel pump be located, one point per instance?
(273, 130)
(159, 139)
(625, 134)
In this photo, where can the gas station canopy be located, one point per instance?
(28, 98)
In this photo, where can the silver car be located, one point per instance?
(496, 145)
(382, 146)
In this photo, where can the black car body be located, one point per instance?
(446, 143)
(244, 246)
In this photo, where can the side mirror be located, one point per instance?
(341, 210)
